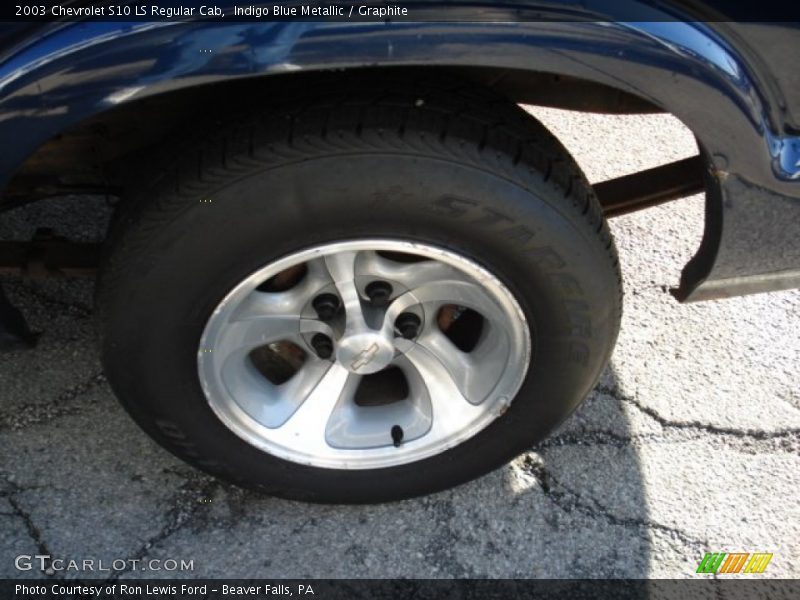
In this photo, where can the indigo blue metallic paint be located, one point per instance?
(717, 88)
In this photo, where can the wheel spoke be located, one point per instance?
(409, 275)
(341, 267)
(270, 404)
(288, 303)
(265, 317)
(317, 276)
(258, 305)
(452, 412)
(243, 336)
(475, 373)
(305, 428)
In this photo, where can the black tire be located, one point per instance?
(444, 164)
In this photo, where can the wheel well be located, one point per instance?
(95, 155)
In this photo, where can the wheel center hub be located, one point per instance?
(364, 353)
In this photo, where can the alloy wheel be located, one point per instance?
(364, 354)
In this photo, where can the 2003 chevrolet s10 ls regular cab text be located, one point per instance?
(344, 264)
(176, 12)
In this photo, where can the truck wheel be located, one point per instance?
(360, 297)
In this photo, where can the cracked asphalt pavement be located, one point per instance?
(688, 444)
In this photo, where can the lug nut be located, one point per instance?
(326, 306)
(408, 325)
(323, 345)
(379, 293)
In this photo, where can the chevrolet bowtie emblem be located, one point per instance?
(364, 357)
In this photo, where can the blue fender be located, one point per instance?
(78, 70)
